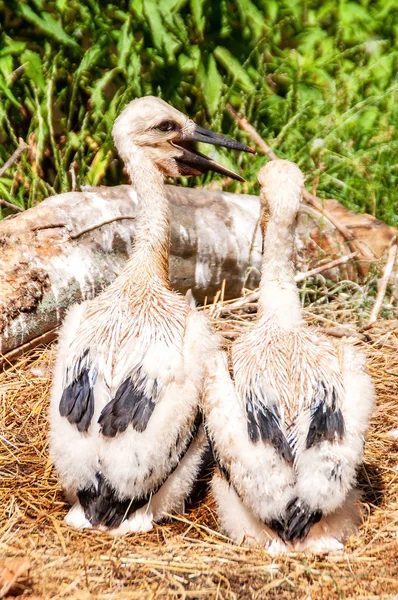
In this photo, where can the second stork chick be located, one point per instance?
(130, 363)
(288, 427)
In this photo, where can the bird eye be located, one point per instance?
(168, 126)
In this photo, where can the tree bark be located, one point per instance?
(69, 247)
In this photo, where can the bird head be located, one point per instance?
(168, 137)
(281, 184)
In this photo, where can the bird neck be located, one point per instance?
(149, 262)
(279, 298)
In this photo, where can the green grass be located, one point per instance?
(317, 79)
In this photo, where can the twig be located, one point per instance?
(353, 243)
(314, 201)
(51, 226)
(14, 157)
(72, 172)
(8, 359)
(10, 205)
(74, 236)
(251, 132)
(253, 296)
(382, 343)
(12, 77)
(324, 267)
(342, 331)
(392, 252)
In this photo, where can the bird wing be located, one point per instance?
(77, 400)
(259, 395)
(248, 441)
(263, 418)
(315, 391)
(317, 437)
(102, 503)
(151, 422)
(326, 422)
(145, 367)
(134, 402)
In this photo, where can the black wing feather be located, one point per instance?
(252, 425)
(278, 526)
(327, 421)
(299, 520)
(130, 405)
(77, 400)
(102, 506)
(84, 422)
(264, 422)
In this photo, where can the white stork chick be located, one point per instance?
(288, 428)
(130, 365)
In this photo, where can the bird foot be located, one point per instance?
(276, 547)
(76, 517)
(319, 545)
(140, 522)
(121, 530)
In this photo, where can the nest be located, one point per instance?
(187, 557)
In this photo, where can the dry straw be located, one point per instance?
(187, 557)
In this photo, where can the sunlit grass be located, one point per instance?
(317, 79)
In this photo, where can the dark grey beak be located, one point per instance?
(200, 134)
(193, 162)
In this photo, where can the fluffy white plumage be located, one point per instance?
(288, 429)
(125, 433)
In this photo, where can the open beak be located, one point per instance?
(193, 162)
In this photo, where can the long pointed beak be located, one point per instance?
(200, 134)
(193, 162)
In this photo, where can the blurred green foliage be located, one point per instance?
(316, 78)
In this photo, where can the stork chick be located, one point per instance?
(288, 428)
(125, 433)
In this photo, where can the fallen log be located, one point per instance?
(72, 245)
